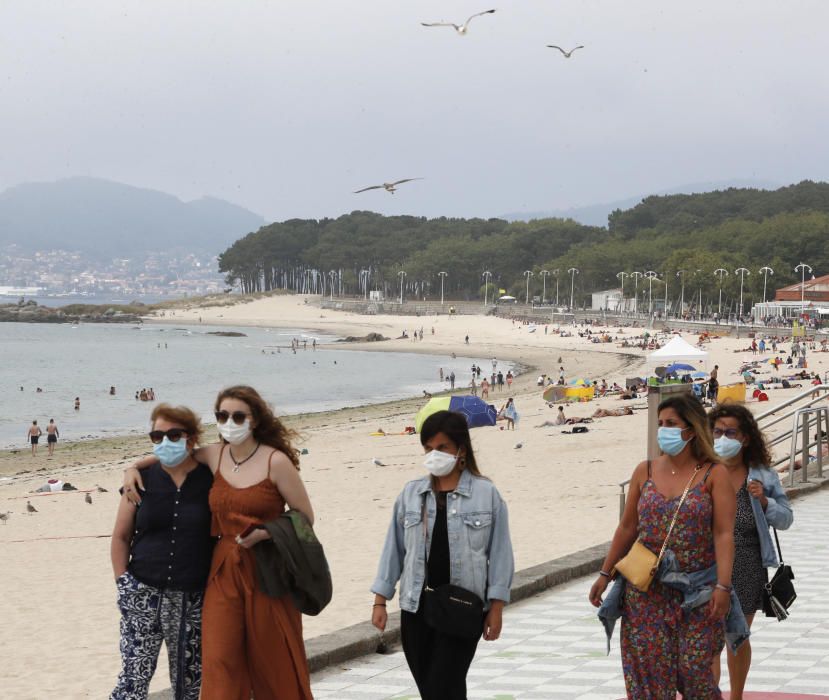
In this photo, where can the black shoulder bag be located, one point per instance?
(450, 609)
(779, 593)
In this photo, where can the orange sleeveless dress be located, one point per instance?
(251, 643)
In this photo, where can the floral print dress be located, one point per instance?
(664, 650)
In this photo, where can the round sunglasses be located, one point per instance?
(238, 417)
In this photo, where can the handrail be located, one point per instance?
(794, 399)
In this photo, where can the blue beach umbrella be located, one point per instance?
(477, 412)
(679, 367)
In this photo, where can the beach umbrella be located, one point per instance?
(477, 411)
(554, 393)
(679, 367)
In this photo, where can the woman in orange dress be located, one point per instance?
(251, 643)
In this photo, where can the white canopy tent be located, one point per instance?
(678, 350)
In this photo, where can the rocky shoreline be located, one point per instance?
(31, 312)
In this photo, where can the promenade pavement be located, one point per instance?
(553, 648)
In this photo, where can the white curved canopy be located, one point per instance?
(677, 350)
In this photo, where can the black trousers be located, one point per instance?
(438, 662)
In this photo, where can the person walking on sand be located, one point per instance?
(252, 642)
(161, 597)
(484, 388)
(473, 387)
(452, 380)
(509, 379)
(510, 413)
(52, 435)
(500, 380)
(33, 435)
(449, 531)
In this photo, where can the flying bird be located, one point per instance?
(461, 29)
(4, 517)
(377, 462)
(566, 54)
(30, 508)
(88, 498)
(388, 186)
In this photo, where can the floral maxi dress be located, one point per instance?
(663, 649)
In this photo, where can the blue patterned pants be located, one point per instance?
(150, 616)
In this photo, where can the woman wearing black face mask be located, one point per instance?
(161, 557)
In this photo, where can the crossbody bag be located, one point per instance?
(640, 564)
(449, 609)
(779, 593)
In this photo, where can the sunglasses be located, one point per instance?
(238, 417)
(730, 433)
(173, 435)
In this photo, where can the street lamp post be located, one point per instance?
(573, 272)
(742, 272)
(721, 273)
(681, 275)
(442, 276)
(487, 277)
(651, 275)
(401, 274)
(765, 271)
(544, 275)
(803, 267)
(636, 275)
(555, 272)
(621, 276)
(528, 274)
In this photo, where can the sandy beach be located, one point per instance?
(58, 597)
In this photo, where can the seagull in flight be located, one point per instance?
(566, 54)
(388, 186)
(461, 29)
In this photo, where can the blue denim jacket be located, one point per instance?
(480, 551)
(696, 588)
(778, 512)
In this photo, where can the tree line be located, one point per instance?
(683, 238)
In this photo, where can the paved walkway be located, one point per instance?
(553, 647)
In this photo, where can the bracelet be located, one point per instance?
(379, 605)
(604, 573)
(721, 587)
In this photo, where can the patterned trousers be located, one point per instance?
(149, 616)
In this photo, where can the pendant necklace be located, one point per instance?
(236, 464)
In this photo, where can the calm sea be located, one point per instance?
(187, 365)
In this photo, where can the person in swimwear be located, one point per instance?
(52, 434)
(33, 435)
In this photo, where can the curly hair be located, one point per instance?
(268, 430)
(756, 453)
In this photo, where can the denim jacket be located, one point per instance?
(696, 588)
(778, 512)
(480, 551)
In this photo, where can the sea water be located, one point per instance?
(187, 365)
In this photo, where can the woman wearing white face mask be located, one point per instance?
(161, 557)
(761, 502)
(252, 643)
(449, 534)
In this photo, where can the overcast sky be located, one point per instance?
(287, 106)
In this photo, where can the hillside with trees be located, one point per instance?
(684, 238)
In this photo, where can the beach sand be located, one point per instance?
(58, 597)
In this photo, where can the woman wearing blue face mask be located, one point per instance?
(761, 502)
(161, 553)
(448, 528)
(672, 631)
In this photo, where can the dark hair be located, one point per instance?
(454, 426)
(181, 415)
(756, 452)
(690, 410)
(269, 430)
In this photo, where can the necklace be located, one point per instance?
(673, 470)
(236, 464)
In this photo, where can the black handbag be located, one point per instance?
(779, 593)
(450, 609)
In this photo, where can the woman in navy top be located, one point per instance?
(161, 554)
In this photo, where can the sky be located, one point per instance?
(287, 106)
